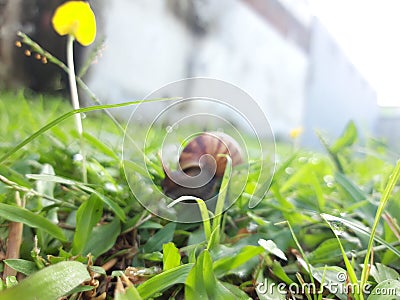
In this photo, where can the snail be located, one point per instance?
(201, 168)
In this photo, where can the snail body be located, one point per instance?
(201, 166)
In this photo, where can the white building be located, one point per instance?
(273, 50)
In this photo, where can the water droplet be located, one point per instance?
(252, 227)
(328, 178)
(169, 129)
(302, 159)
(108, 186)
(77, 157)
(338, 228)
(289, 170)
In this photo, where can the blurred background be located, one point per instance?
(309, 64)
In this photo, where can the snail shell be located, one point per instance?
(201, 166)
(210, 144)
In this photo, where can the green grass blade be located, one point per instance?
(224, 265)
(350, 270)
(25, 267)
(103, 238)
(130, 293)
(203, 211)
(393, 179)
(22, 215)
(49, 283)
(360, 229)
(171, 256)
(348, 137)
(223, 191)
(309, 267)
(195, 285)
(87, 216)
(69, 114)
(162, 236)
(99, 145)
(110, 203)
(164, 280)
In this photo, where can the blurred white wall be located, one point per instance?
(336, 92)
(148, 45)
(151, 43)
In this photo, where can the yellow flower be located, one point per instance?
(296, 132)
(77, 19)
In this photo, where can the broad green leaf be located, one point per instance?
(347, 138)
(267, 289)
(349, 267)
(213, 241)
(149, 225)
(81, 288)
(19, 214)
(89, 213)
(225, 265)
(162, 236)
(49, 283)
(171, 256)
(152, 256)
(111, 204)
(25, 267)
(272, 248)
(164, 280)
(280, 273)
(390, 185)
(386, 290)
(130, 293)
(381, 273)
(14, 176)
(358, 228)
(328, 251)
(195, 285)
(333, 275)
(231, 291)
(201, 282)
(98, 270)
(102, 238)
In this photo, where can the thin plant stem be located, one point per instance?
(75, 101)
(393, 179)
(219, 208)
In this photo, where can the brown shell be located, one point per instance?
(212, 143)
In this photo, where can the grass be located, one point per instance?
(333, 215)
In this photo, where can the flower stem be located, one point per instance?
(75, 101)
